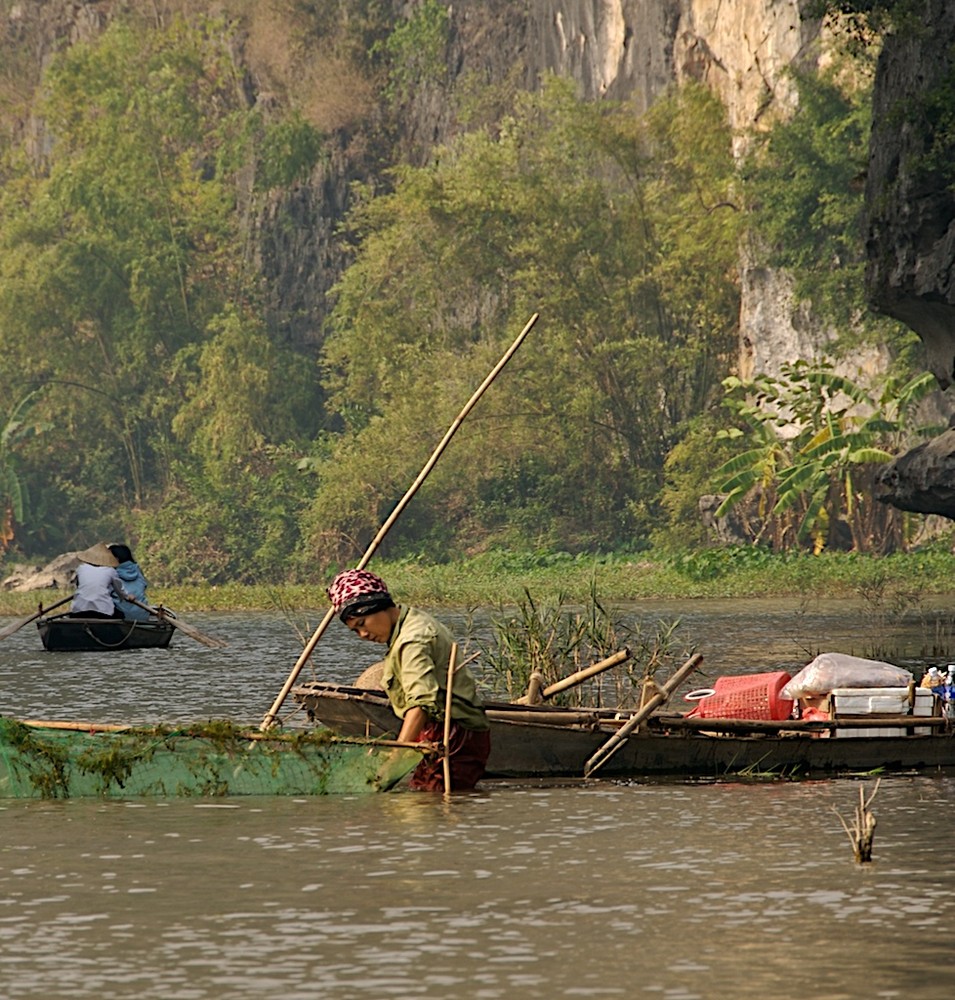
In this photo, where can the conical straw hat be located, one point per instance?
(98, 555)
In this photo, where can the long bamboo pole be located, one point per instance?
(386, 527)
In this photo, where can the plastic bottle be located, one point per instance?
(932, 678)
(948, 696)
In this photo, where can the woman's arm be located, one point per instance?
(412, 724)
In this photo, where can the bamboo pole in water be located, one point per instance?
(447, 720)
(386, 527)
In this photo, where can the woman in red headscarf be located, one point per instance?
(414, 677)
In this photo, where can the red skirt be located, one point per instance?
(470, 749)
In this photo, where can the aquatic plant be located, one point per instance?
(555, 640)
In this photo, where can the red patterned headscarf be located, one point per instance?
(356, 592)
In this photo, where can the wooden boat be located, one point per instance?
(551, 741)
(66, 634)
(55, 760)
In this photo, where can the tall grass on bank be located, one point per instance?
(504, 578)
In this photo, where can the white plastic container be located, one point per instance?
(881, 701)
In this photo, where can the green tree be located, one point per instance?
(622, 232)
(123, 271)
(14, 504)
(242, 394)
(113, 253)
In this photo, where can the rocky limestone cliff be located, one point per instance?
(911, 230)
(911, 206)
(618, 49)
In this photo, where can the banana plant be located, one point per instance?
(816, 439)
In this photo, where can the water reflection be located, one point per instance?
(534, 891)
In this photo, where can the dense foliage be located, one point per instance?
(151, 396)
(622, 234)
(813, 443)
(124, 297)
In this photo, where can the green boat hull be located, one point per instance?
(42, 762)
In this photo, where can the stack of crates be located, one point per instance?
(881, 701)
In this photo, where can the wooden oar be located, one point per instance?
(177, 622)
(402, 503)
(17, 625)
(620, 736)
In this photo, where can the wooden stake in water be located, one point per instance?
(447, 720)
(863, 828)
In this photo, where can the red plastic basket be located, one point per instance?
(748, 696)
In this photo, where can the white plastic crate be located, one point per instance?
(884, 701)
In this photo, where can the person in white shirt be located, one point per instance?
(96, 582)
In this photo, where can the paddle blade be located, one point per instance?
(17, 625)
(207, 640)
(20, 622)
(190, 630)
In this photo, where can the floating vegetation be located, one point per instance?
(216, 758)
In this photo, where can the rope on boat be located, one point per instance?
(110, 645)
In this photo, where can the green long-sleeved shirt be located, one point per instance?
(415, 673)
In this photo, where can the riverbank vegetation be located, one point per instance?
(153, 392)
(899, 582)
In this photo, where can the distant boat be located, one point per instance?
(65, 634)
(59, 760)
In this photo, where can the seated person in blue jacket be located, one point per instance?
(96, 583)
(134, 583)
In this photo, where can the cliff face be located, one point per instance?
(911, 229)
(911, 206)
(618, 49)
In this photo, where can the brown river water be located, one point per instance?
(522, 889)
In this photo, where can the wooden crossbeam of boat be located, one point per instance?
(662, 722)
(613, 718)
(554, 717)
